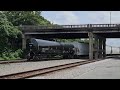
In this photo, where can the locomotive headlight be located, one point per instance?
(30, 44)
(73, 49)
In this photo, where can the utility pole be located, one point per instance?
(110, 17)
(119, 50)
(111, 50)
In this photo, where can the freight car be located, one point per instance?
(40, 49)
(80, 49)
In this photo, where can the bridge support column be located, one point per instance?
(23, 42)
(100, 48)
(96, 48)
(104, 48)
(90, 34)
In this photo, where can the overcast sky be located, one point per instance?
(84, 17)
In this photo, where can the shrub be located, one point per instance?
(12, 55)
(19, 52)
(15, 54)
(5, 57)
(1, 58)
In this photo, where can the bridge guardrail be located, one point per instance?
(82, 26)
(72, 26)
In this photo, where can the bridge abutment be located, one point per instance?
(23, 42)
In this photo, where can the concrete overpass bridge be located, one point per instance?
(97, 32)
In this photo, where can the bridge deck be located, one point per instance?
(76, 31)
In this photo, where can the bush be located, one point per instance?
(15, 54)
(1, 58)
(5, 57)
(20, 52)
(12, 55)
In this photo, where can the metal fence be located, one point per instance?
(68, 26)
(112, 50)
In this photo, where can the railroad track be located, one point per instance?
(32, 73)
(13, 61)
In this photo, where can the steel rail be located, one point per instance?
(32, 73)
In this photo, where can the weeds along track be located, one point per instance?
(32, 73)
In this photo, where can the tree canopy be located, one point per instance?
(9, 19)
(26, 18)
(7, 31)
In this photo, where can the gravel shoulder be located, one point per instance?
(105, 69)
(26, 66)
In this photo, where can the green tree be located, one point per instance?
(7, 31)
(26, 18)
(10, 35)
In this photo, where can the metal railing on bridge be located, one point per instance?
(68, 26)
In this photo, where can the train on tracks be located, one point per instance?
(44, 49)
(40, 49)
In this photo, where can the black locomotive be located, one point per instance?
(44, 49)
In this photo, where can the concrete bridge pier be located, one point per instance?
(90, 35)
(100, 48)
(23, 42)
(100, 44)
(97, 46)
(104, 47)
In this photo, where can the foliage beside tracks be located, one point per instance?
(26, 18)
(7, 33)
(11, 55)
(11, 36)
